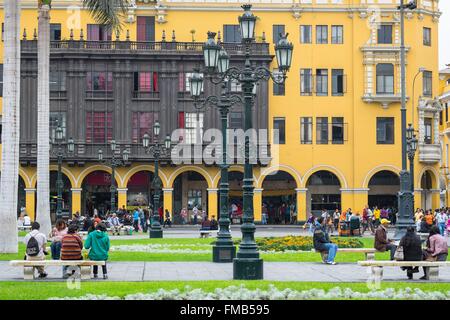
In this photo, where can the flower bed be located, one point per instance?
(242, 293)
(298, 243)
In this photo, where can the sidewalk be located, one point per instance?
(198, 271)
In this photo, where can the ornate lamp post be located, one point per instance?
(411, 150)
(156, 150)
(405, 197)
(113, 163)
(248, 265)
(61, 153)
(223, 248)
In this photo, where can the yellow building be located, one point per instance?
(444, 98)
(338, 114)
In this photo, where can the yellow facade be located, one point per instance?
(355, 161)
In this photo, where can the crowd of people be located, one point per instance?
(286, 213)
(425, 220)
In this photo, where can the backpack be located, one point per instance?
(32, 247)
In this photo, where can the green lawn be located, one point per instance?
(44, 290)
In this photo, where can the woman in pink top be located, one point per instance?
(58, 232)
(437, 249)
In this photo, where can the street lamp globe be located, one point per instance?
(167, 142)
(224, 61)
(156, 128)
(211, 52)
(100, 155)
(70, 146)
(196, 84)
(59, 134)
(125, 155)
(414, 143)
(113, 145)
(283, 50)
(409, 132)
(146, 140)
(247, 23)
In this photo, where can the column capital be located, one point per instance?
(212, 189)
(355, 190)
(167, 190)
(122, 190)
(76, 190)
(300, 190)
(30, 190)
(258, 190)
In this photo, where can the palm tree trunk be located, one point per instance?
(43, 134)
(11, 124)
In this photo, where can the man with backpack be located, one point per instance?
(35, 243)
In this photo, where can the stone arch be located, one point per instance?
(28, 181)
(183, 169)
(146, 167)
(265, 172)
(329, 168)
(64, 170)
(83, 174)
(216, 179)
(434, 177)
(374, 171)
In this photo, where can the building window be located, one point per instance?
(426, 36)
(337, 130)
(385, 130)
(322, 82)
(305, 34)
(57, 118)
(99, 81)
(322, 130)
(145, 29)
(184, 85)
(427, 83)
(143, 124)
(428, 139)
(236, 120)
(278, 30)
(146, 81)
(1, 80)
(57, 81)
(385, 34)
(99, 127)
(234, 85)
(321, 34)
(194, 199)
(306, 126)
(337, 34)
(279, 134)
(337, 82)
(55, 32)
(231, 33)
(98, 32)
(305, 82)
(192, 123)
(385, 78)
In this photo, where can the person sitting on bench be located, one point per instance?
(437, 249)
(382, 243)
(35, 243)
(322, 241)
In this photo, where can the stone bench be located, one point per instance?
(377, 267)
(207, 233)
(368, 252)
(29, 266)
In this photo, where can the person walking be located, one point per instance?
(336, 216)
(35, 244)
(322, 242)
(184, 215)
(167, 220)
(98, 243)
(310, 222)
(382, 243)
(71, 247)
(264, 214)
(136, 220)
(412, 250)
(56, 236)
(437, 249)
(441, 220)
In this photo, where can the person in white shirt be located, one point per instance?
(42, 241)
(26, 220)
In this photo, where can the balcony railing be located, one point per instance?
(145, 95)
(141, 47)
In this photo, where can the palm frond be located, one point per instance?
(108, 12)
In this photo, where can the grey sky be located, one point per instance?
(444, 31)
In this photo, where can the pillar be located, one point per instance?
(257, 204)
(347, 200)
(435, 199)
(360, 199)
(168, 201)
(122, 197)
(417, 199)
(212, 202)
(30, 201)
(76, 200)
(301, 204)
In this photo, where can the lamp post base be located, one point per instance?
(224, 253)
(248, 269)
(155, 233)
